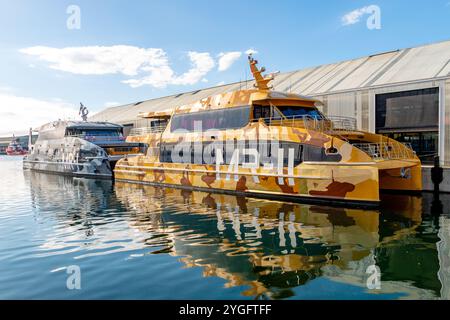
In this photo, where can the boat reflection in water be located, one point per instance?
(270, 246)
(267, 249)
(273, 247)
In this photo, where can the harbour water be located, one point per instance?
(139, 242)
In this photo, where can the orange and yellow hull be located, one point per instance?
(335, 183)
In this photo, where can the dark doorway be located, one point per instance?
(425, 144)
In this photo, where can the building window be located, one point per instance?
(415, 109)
(411, 116)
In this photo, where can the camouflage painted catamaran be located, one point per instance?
(272, 144)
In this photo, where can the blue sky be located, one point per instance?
(128, 51)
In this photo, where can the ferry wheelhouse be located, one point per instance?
(272, 144)
(79, 148)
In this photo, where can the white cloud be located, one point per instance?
(227, 59)
(201, 64)
(221, 83)
(149, 66)
(251, 51)
(354, 16)
(99, 60)
(143, 66)
(158, 77)
(18, 114)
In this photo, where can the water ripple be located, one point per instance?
(133, 241)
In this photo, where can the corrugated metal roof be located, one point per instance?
(394, 67)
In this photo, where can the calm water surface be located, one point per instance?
(141, 242)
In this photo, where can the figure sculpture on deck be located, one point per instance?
(83, 112)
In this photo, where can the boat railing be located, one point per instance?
(327, 124)
(386, 150)
(146, 130)
(330, 124)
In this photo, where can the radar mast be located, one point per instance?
(262, 81)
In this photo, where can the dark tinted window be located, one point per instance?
(94, 132)
(290, 111)
(302, 152)
(222, 119)
(113, 133)
(158, 123)
(315, 153)
(261, 112)
(267, 113)
(408, 109)
(167, 152)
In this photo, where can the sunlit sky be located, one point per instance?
(128, 51)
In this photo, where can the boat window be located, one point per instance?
(316, 153)
(206, 154)
(261, 112)
(294, 111)
(93, 133)
(229, 118)
(158, 123)
(266, 112)
(109, 133)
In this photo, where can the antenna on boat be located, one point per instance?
(246, 79)
(83, 112)
(262, 82)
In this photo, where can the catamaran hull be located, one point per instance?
(402, 179)
(96, 168)
(268, 196)
(344, 184)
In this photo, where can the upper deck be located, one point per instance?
(246, 98)
(101, 132)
